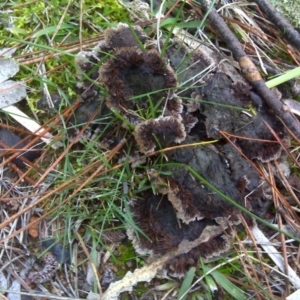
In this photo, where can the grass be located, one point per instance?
(89, 188)
(283, 78)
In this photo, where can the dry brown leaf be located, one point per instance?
(34, 228)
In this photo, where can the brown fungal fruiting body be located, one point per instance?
(133, 78)
(124, 36)
(112, 237)
(142, 87)
(155, 215)
(88, 70)
(192, 199)
(164, 130)
(224, 111)
(185, 206)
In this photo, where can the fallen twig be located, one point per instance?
(289, 32)
(249, 70)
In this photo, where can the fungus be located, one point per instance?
(248, 182)
(155, 215)
(188, 63)
(163, 130)
(141, 85)
(88, 61)
(174, 106)
(185, 206)
(137, 80)
(263, 145)
(242, 91)
(108, 276)
(60, 252)
(88, 64)
(241, 171)
(224, 111)
(189, 121)
(124, 36)
(112, 237)
(194, 200)
(235, 178)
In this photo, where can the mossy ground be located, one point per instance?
(290, 9)
(51, 23)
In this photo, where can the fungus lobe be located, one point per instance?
(155, 215)
(133, 78)
(163, 130)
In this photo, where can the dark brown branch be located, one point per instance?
(249, 70)
(289, 32)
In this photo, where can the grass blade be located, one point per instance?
(227, 285)
(186, 284)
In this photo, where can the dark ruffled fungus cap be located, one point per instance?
(222, 167)
(133, 78)
(124, 36)
(88, 64)
(88, 61)
(192, 199)
(155, 215)
(235, 120)
(141, 85)
(163, 130)
(188, 121)
(185, 206)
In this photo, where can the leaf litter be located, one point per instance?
(11, 92)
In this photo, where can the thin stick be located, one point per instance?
(248, 68)
(280, 21)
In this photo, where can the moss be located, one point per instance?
(27, 17)
(126, 254)
(24, 18)
(101, 10)
(290, 9)
(20, 19)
